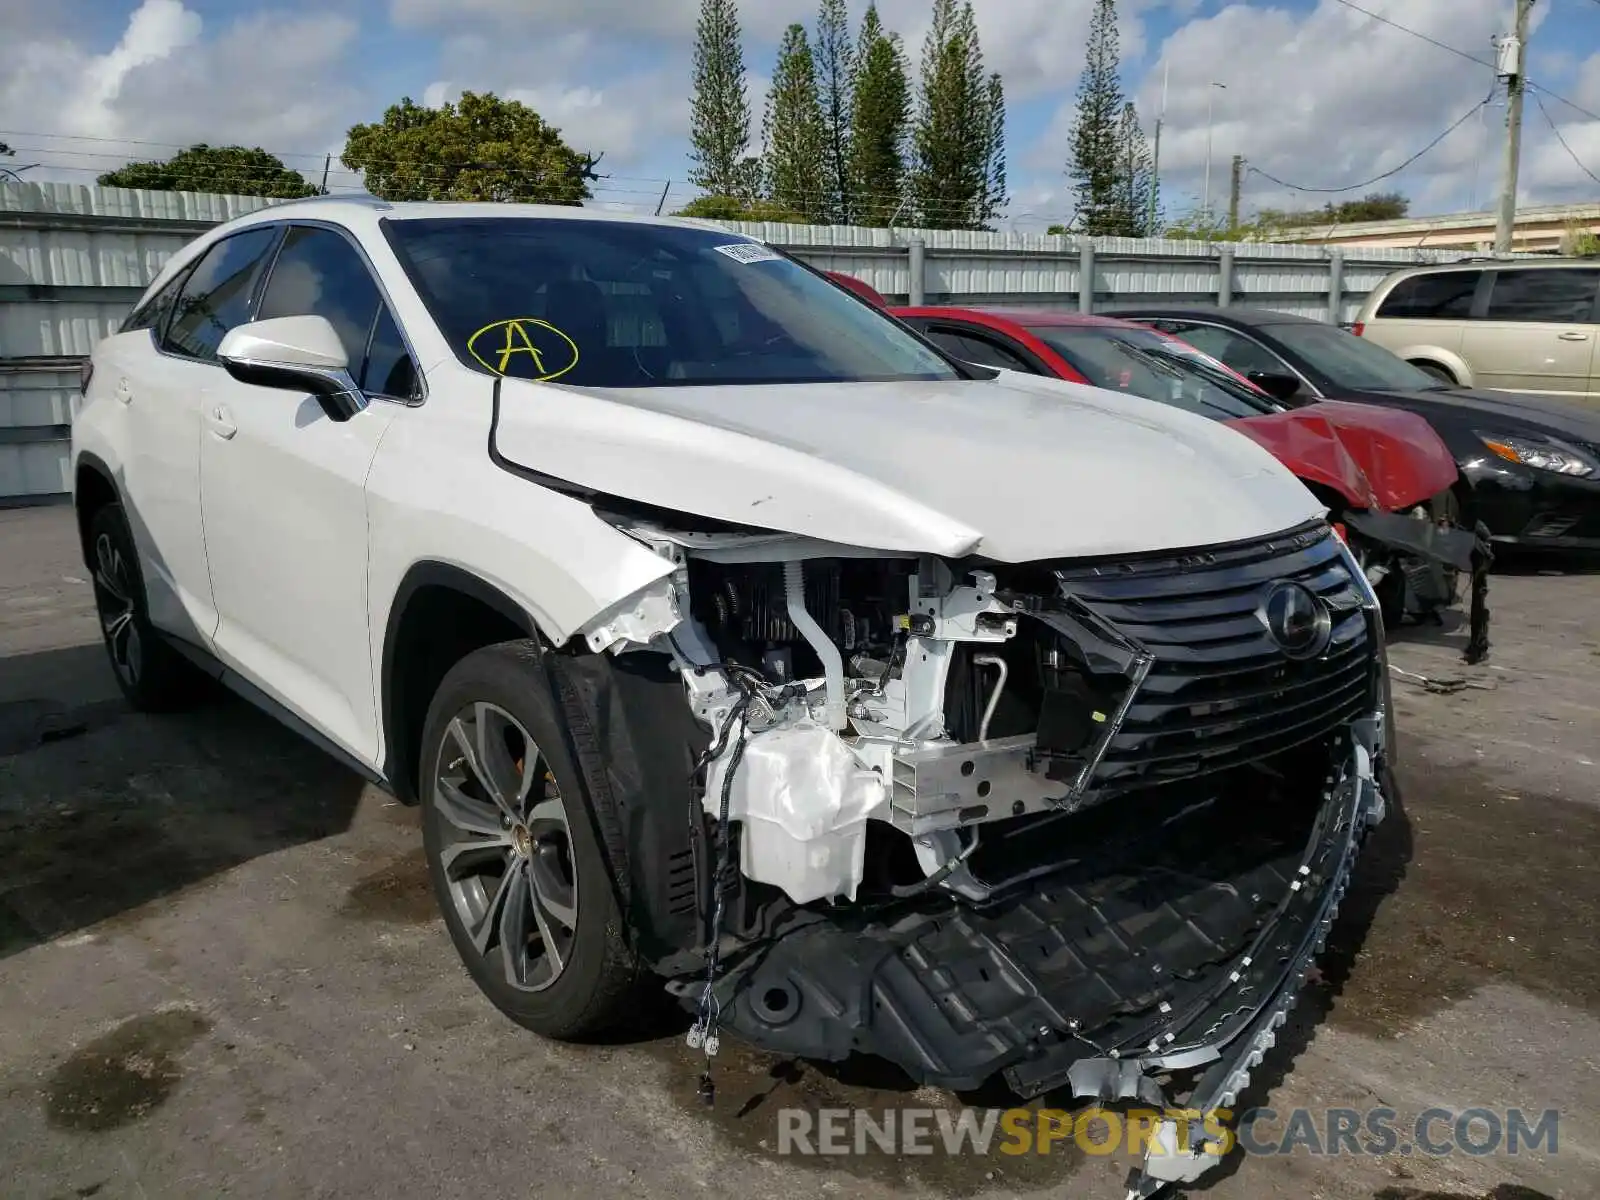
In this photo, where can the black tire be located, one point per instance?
(595, 978)
(1438, 372)
(152, 675)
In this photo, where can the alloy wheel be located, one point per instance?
(113, 593)
(506, 847)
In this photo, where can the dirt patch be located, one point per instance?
(752, 1087)
(120, 1077)
(399, 892)
(1467, 883)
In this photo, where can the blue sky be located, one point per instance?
(1312, 92)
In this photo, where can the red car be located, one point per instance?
(1376, 469)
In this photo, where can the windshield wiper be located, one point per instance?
(1163, 362)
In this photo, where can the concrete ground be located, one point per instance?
(221, 972)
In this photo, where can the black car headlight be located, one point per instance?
(1543, 454)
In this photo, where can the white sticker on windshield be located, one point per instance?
(748, 252)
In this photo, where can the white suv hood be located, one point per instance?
(1015, 468)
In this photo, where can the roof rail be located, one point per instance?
(365, 199)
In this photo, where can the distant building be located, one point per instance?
(1537, 230)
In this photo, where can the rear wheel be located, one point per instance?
(1438, 372)
(152, 675)
(512, 850)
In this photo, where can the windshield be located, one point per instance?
(595, 303)
(1351, 362)
(1156, 367)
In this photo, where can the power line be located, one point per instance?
(1459, 53)
(1555, 129)
(1459, 121)
(1367, 12)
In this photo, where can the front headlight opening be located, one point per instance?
(1550, 455)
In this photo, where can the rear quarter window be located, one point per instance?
(1440, 296)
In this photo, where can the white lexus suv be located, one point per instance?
(735, 641)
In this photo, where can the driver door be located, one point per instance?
(283, 494)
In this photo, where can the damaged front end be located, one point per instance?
(1415, 561)
(1082, 824)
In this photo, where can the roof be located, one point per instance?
(1235, 313)
(1029, 317)
(334, 207)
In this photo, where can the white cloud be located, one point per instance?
(1321, 98)
(271, 79)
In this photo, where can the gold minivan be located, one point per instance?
(1513, 325)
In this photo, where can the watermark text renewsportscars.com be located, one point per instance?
(1434, 1132)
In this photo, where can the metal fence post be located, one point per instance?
(916, 260)
(1225, 276)
(1336, 287)
(1085, 275)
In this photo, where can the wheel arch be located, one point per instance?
(1445, 360)
(93, 487)
(440, 613)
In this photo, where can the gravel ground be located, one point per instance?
(221, 971)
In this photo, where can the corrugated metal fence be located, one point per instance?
(74, 259)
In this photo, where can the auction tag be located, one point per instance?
(748, 252)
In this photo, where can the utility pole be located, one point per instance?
(327, 162)
(1233, 192)
(1155, 157)
(1513, 53)
(1205, 198)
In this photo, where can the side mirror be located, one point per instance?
(1279, 386)
(299, 354)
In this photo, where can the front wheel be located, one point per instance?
(152, 675)
(1438, 372)
(512, 850)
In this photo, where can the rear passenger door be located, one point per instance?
(1538, 332)
(283, 489)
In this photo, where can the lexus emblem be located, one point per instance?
(1296, 619)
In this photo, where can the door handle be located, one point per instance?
(221, 422)
(124, 391)
(1572, 335)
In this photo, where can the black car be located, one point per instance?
(1531, 467)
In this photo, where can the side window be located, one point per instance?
(974, 348)
(389, 369)
(152, 314)
(1234, 349)
(216, 296)
(1559, 296)
(1440, 296)
(319, 273)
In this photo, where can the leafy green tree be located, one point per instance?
(732, 208)
(478, 148)
(1097, 164)
(229, 170)
(959, 111)
(719, 123)
(836, 70)
(1137, 183)
(795, 132)
(880, 113)
(1056, 229)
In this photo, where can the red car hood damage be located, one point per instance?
(1376, 458)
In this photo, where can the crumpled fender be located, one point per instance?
(1376, 458)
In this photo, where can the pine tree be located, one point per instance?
(1137, 184)
(836, 69)
(995, 195)
(1097, 154)
(720, 108)
(794, 132)
(952, 173)
(880, 110)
